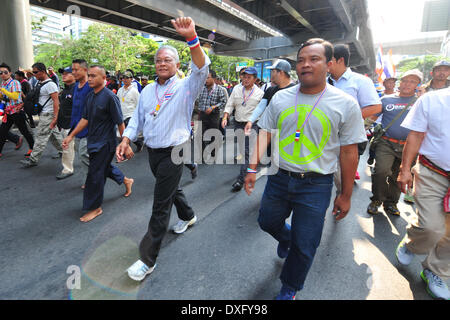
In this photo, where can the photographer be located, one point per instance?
(10, 95)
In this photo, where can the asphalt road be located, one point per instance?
(224, 255)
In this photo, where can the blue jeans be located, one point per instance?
(309, 199)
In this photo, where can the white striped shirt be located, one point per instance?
(172, 125)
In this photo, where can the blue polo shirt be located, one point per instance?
(103, 113)
(79, 100)
(359, 87)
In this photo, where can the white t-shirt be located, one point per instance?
(44, 95)
(128, 100)
(336, 121)
(431, 114)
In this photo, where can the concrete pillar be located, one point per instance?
(16, 44)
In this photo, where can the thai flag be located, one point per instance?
(389, 67)
(167, 96)
(379, 68)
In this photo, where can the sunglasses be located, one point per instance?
(4, 72)
(36, 72)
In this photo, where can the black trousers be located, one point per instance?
(244, 166)
(209, 121)
(19, 120)
(167, 193)
(100, 168)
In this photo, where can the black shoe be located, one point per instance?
(194, 171)
(373, 207)
(237, 186)
(391, 209)
(370, 161)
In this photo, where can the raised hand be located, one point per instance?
(185, 27)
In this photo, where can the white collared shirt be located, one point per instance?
(128, 100)
(243, 112)
(431, 114)
(359, 87)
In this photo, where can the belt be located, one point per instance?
(394, 140)
(430, 165)
(302, 175)
(160, 149)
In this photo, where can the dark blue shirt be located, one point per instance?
(103, 113)
(393, 105)
(78, 103)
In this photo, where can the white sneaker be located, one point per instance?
(404, 256)
(436, 287)
(182, 225)
(139, 270)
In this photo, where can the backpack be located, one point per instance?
(31, 103)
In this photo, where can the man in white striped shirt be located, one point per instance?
(164, 115)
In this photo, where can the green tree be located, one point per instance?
(224, 66)
(117, 49)
(423, 63)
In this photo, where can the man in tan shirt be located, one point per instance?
(243, 100)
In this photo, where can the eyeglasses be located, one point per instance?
(166, 61)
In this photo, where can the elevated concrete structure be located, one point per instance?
(424, 43)
(263, 29)
(16, 46)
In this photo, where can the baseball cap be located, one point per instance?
(413, 72)
(128, 74)
(441, 63)
(251, 70)
(144, 78)
(281, 65)
(66, 69)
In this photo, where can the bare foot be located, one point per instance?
(91, 215)
(128, 182)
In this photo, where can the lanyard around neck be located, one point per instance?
(299, 130)
(160, 101)
(246, 98)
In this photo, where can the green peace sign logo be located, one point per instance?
(304, 146)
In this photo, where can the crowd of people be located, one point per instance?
(321, 124)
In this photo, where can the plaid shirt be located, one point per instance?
(215, 97)
(12, 106)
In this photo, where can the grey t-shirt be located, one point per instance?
(393, 105)
(335, 122)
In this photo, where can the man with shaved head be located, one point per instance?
(102, 115)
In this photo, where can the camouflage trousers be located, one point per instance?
(42, 134)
